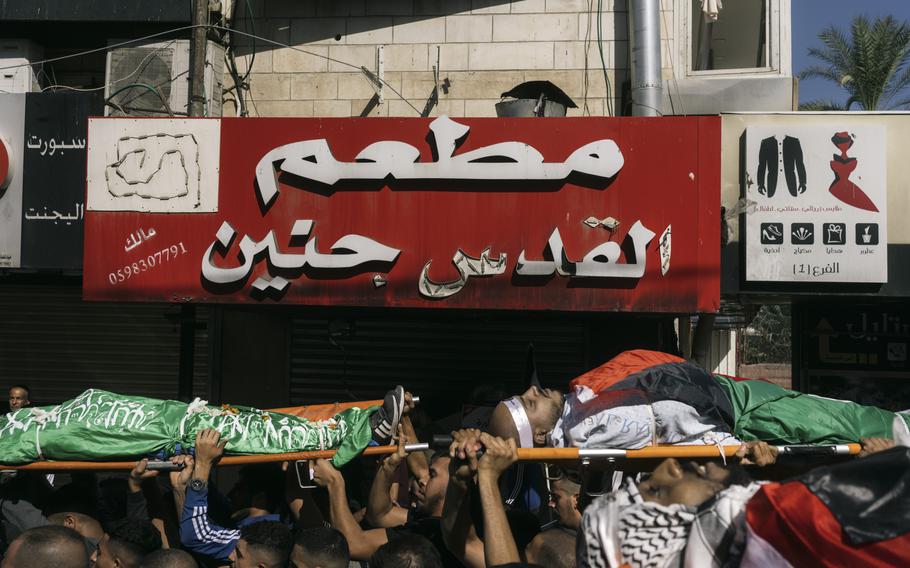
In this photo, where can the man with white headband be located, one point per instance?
(642, 398)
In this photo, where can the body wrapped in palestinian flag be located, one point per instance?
(100, 425)
(641, 398)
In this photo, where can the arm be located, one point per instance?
(362, 543)
(197, 533)
(381, 512)
(22, 515)
(417, 461)
(180, 479)
(136, 503)
(457, 528)
(499, 546)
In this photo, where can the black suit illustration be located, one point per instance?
(791, 156)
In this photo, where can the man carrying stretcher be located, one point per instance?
(642, 398)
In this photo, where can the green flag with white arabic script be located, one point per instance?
(99, 425)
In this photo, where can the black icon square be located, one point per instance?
(772, 233)
(802, 233)
(867, 233)
(834, 233)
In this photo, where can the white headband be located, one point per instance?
(522, 424)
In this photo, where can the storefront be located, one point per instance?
(342, 256)
(816, 207)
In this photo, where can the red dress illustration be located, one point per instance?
(842, 166)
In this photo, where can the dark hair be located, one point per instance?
(406, 551)
(27, 390)
(524, 525)
(169, 558)
(50, 545)
(265, 478)
(134, 539)
(270, 538)
(556, 549)
(738, 476)
(324, 546)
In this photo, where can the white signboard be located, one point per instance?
(816, 204)
(12, 128)
(153, 165)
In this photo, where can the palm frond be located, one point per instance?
(819, 104)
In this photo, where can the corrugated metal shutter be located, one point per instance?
(435, 357)
(59, 345)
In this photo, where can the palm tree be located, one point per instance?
(871, 65)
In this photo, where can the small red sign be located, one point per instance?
(589, 214)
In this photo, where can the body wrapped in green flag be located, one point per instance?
(100, 425)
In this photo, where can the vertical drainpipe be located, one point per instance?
(644, 44)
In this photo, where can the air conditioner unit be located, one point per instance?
(142, 77)
(19, 52)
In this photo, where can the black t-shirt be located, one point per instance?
(431, 529)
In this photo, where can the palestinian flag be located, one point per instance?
(855, 513)
(679, 395)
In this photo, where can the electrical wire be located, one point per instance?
(587, 46)
(603, 61)
(145, 86)
(326, 57)
(221, 28)
(115, 81)
(249, 68)
(682, 107)
(106, 48)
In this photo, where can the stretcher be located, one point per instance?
(609, 455)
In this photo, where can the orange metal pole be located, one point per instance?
(524, 454)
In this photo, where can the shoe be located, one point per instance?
(384, 422)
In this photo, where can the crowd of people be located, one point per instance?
(466, 505)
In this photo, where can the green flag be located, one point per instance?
(99, 425)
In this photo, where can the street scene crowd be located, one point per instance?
(468, 502)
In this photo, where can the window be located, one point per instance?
(747, 37)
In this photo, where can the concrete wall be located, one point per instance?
(485, 48)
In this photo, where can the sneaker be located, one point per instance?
(384, 422)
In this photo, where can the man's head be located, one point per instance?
(125, 545)
(431, 493)
(83, 524)
(169, 558)
(49, 546)
(260, 486)
(564, 501)
(536, 409)
(554, 548)
(321, 547)
(688, 482)
(18, 397)
(266, 544)
(406, 551)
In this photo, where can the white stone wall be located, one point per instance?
(485, 48)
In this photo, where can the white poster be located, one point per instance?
(12, 132)
(154, 165)
(817, 204)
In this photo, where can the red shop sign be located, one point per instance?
(589, 214)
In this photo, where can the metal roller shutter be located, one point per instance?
(441, 359)
(59, 345)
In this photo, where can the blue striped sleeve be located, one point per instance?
(199, 534)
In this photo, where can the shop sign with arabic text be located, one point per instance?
(589, 214)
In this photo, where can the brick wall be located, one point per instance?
(485, 47)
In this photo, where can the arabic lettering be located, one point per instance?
(138, 237)
(599, 262)
(348, 252)
(505, 161)
(467, 267)
(33, 215)
(49, 147)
